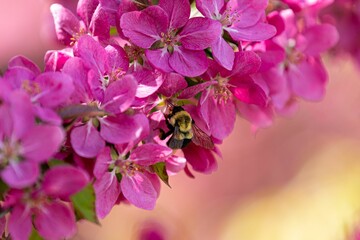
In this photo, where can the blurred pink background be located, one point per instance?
(299, 179)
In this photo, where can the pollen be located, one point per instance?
(169, 40)
(31, 87)
(128, 168)
(8, 152)
(229, 17)
(221, 92)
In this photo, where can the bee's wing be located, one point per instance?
(175, 142)
(200, 138)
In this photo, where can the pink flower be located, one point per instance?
(24, 145)
(224, 88)
(138, 185)
(201, 159)
(47, 90)
(157, 29)
(242, 19)
(43, 208)
(96, 17)
(304, 71)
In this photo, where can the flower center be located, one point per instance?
(293, 55)
(221, 93)
(134, 53)
(229, 17)
(128, 168)
(9, 152)
(31, 87)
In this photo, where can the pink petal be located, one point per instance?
(144, 28)
(92, 53)
(173, 83)
(149, 154)
(120, 95)
(223, 53)
(21, 114)
(55, 59)
(41, 142)
(19, 224)
(259, 32)
(96, 85)
(21, 61)
(2, 225)
(209, 8)
(85, 9)
(100, 23)
(273, 56)
(177, 10)
(148, 82)
(220, 116)
(58, 183)
(139, 191)
(250, 11)
(200, 33)
(47, 115)
(6, 123)
(175, 164)
(107, 190)
(257, 116)
(201, 159)
(188, 63)
(117, 57)
(76, 69)
(249, 92)
(21, 174)
(102, 163)
(280, 92)
(120, 129)
(86, 140)
(308, 79)
(66, 23)
(320, 38)
(246, 63)
(195, 89)
(56, 88)
(159, 59)
(55, 220)
(16, 76)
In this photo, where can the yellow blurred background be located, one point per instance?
(297, 180)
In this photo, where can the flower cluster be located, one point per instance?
(345, 15)
(144, 90)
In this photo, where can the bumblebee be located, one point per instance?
(183, 130)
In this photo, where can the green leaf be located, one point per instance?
(3, 189)
(56, 162)
(84, 204)
(113, 31)
(35, 235)
(118, 176)
(160, 170)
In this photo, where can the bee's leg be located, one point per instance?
(163, 135)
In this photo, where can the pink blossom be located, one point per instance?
(158, 26)
(217, 102)
(24, 145)
(243, 20)
(94, 17)
(304, 71)
(43, 207)
(138, 185)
